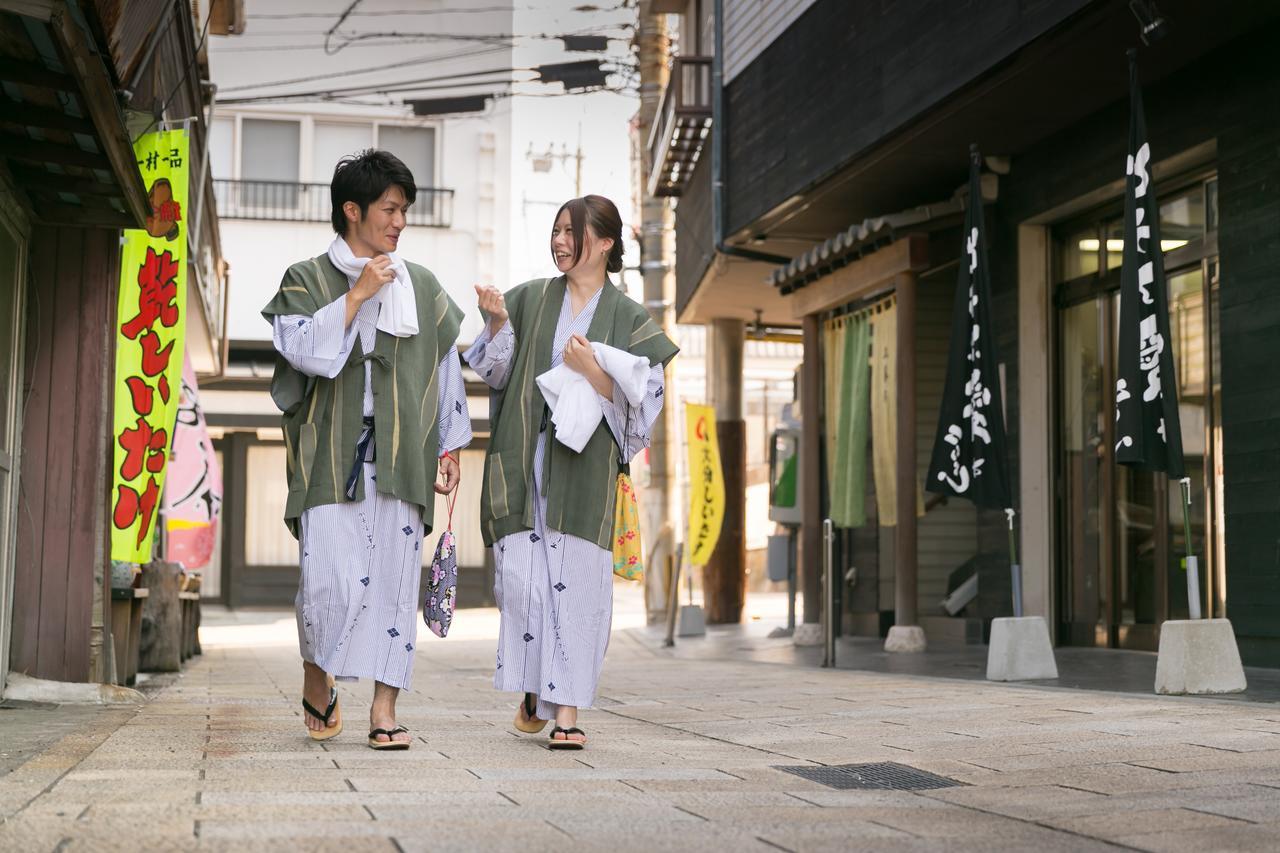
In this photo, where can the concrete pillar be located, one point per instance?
(725, 575)
(809, 566)
(659, 496)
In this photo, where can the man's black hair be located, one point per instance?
(363, 178)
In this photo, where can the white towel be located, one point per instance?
(399, 312)
(575, 405)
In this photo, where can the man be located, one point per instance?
(371, 389)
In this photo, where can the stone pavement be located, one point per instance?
(682, 757)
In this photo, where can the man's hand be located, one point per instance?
(494, 306)
(579, 355)
(449, 474)
(375, 276)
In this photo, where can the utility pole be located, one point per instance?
(577, 166)
(657, 238)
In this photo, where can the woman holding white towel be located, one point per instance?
(547, 509)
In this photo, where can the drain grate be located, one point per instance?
(880, 776)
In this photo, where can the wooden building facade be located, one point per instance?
(81, 80)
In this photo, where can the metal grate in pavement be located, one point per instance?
(880, 776)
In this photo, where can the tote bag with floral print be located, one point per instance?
(442, 582)
(628, 557)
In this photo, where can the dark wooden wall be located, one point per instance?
(695, 242)
(70, 353)
(1249, 243)
(1231, 95)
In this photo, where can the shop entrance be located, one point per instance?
(1120, 536)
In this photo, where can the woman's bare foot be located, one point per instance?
(567, 718)
(315, 689)
(382, 713)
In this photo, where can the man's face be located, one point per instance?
(378, 231)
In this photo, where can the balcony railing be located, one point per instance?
(681, 126)
(288, 201)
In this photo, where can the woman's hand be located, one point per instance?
(494, 306)
(449, 473)
(579, 355)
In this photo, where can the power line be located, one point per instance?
(368, 70)
(398, 87)
(391, 39)
(374, 88)
(269, 16)
(327, 95)
(341, 18)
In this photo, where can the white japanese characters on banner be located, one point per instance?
(969, 457)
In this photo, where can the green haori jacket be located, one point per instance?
(323, 417)
(580, 487)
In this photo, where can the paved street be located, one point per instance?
(682, 757)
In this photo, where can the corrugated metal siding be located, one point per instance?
(947, 535)
(752, 25)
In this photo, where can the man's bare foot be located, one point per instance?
(315, 689)
(382, 713)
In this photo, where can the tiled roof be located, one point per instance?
(865, 237)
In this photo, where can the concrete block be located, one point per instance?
(905, 639)
(28, 689)
(1198, 656)
(1020, 650)
(693, 622)
(808, 634)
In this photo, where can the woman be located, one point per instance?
(546, 510)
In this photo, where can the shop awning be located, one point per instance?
(63, 139)
(870, 235)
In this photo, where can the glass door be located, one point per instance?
(1120, 535)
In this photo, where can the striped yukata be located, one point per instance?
(555, 590)
(361, 562)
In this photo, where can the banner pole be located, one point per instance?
(828, 590)
(1014, 568)
(673, 592)
(1193, 567)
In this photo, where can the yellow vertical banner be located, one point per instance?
(150, 335)
(706, 483)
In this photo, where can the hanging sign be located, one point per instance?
(706, 483)
(1148, 431)
(970, 459)
(193, 483)
(150, 327)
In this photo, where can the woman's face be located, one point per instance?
(562, 247)
(562, 242)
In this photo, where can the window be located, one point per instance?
(267, 542)
(262, 171)
(269, 150)
(269, 165)
(331, 142)
(416, 146)
(222, 151)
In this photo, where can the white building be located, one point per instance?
(489, 183)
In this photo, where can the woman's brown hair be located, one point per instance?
(603, 217)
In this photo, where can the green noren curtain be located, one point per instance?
(848, 419)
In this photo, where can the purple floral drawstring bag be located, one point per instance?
(442, 582)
